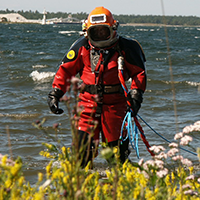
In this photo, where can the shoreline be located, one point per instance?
(128, 24)
(152, 24)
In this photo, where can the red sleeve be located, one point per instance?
(66, 71)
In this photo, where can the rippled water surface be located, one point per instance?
(29, 57)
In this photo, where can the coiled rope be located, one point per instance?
(132, 133)
(127, 122)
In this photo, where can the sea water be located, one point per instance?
(30, 55)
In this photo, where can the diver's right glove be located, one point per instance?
(53, 99)
(135, 97)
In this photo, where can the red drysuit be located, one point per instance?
(104, 72)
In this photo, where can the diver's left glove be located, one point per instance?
(135, 97)
(53, 100)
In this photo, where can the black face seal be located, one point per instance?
(99, 33)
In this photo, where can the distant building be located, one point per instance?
(16, 18)
(44, 17)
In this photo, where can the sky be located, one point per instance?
(136, 7)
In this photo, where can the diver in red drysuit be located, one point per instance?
(95, 58)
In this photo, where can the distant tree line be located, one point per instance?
(156, 19)
(123, 19)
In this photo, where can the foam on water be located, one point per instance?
(67, 32)
(40, 53)
(193, 83)
(41, 76)
(39, 66)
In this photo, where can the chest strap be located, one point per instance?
(105, 89)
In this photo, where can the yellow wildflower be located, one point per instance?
(49, 146)
(48, 169)
(115, 150)
(67, 166)
(42, 153)
(66, 179)
(128, 175)
(124, 167)
(62, 174)
(156, 190)
(167, 180)
(120, 188)
(21, 181)
(109, 175)
(3, 160)
(143, 180)
(73, 180)
(136, 192)
(15, 195)
(15, 169)
(97, 190)
(40, 176)
(172, 177)
(38, 196)
(8, 183)
(47, 155)
(191, 169)
(68, 150)
(96, 179)
(105, 189)
(149, 194)
(87, 167)
(64, 150)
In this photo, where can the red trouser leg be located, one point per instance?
(111, 120)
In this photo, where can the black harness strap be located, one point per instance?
(104, 89)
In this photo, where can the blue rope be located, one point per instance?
(164, 137)
(132, 133)
(129, 127)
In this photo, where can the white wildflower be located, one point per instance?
(191, 177)
(141, 162)
(157, 149)
(197, 123)
(175, 158)
(186, 162)
(185, 140)
(191, 192)
(172, 152)
(178, 136)
(197, 126)
(145, 175)
(148, 163)
(186, 186)
(173, 144)
(191, 128)
(161, 156)
(188, 129)
(159, 163)
(162, 173)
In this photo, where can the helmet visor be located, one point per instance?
(99, 32)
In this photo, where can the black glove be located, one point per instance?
(53, 99)
(135, 97)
